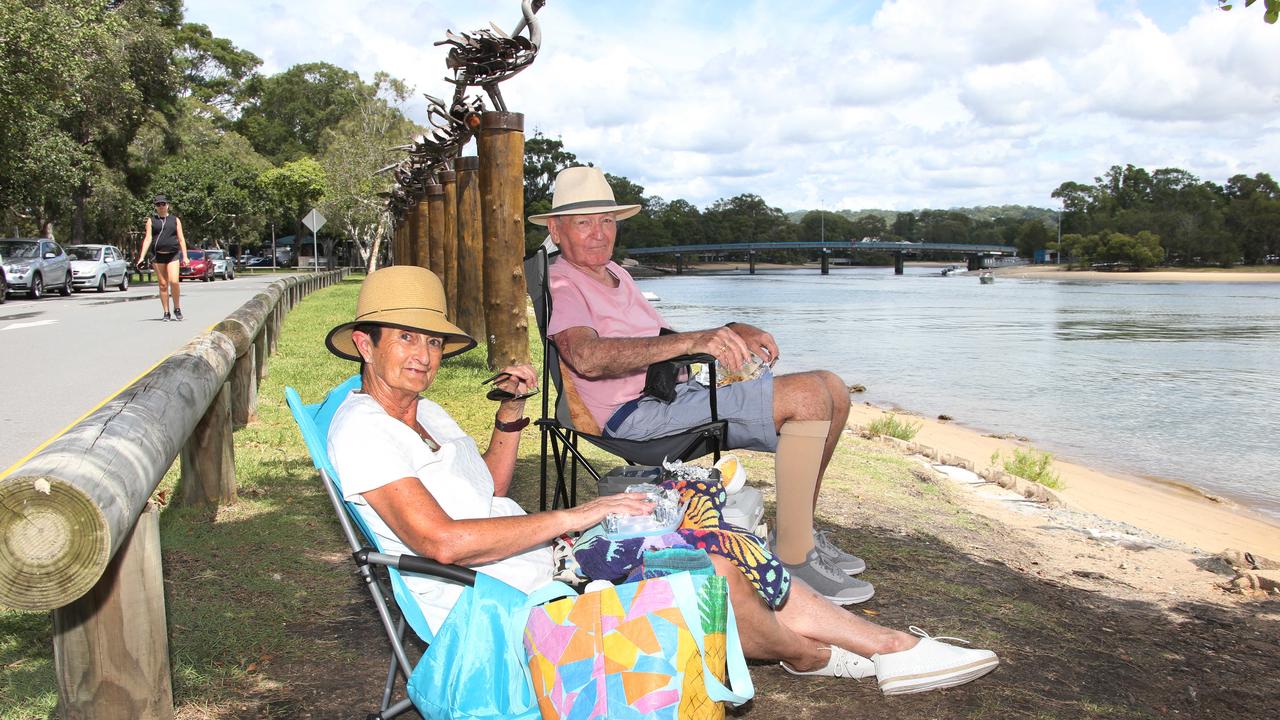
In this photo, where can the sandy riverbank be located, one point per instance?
(1164, 509)
(1056, 272)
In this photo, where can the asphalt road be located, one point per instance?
(61, 357)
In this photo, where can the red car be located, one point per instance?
(200, 267)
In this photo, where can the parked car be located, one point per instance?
(223, 266)
(261, 261)
(4, 284)
(199, 266)
(32, 265)
(97, 266)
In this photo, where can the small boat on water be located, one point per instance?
(949, 269)
(651, 297)
(986, 278)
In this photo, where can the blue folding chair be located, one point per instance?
(313, 421)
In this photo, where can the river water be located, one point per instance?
(1176, 381)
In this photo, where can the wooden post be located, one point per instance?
(751, 262)
(470, 311)
(111, 646)
(421, 223)
(435, 229)
(244, 390)
(208, 457)
(501, 144)
(397, 239)
(73, 504)
(260, 350)
(897, 263)
(826, 258)
(679, 264)
(449, 262)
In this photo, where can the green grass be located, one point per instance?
(893, 427)
(1032, 464)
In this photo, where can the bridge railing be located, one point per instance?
(79, 535)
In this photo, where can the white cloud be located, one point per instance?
(901, 104)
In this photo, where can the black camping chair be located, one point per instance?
(559, 435)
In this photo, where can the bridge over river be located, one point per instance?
(975, 254)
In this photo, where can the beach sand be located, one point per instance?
(1165, 509)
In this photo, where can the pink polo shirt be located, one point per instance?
(578, 300)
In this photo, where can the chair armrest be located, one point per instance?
(417, 564)
(698, 357)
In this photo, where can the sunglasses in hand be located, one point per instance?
(497, 393)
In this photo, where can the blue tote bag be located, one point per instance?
(475, 667)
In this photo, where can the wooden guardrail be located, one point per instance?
(78, 534)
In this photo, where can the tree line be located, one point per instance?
(1169, 216)
(105, 104)
(1128, 217)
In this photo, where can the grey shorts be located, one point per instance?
(747, 406)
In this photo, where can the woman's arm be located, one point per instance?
(503, 446)
(182, 241)
(419, 521)
(146, 242)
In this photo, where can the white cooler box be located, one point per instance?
(745, 509)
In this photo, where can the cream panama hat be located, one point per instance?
(403, 296)
(583, 191)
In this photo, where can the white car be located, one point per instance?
(222, 267)
(97, 266)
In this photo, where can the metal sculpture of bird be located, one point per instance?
(484, 58)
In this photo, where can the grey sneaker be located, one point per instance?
(828, 581)
(848, 564)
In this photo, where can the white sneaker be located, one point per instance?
(931, 665)
(842, 663)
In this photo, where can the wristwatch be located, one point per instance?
(514, 426)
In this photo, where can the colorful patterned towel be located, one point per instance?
(703, 528)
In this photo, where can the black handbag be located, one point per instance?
(662, 377)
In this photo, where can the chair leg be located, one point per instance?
(391, 671)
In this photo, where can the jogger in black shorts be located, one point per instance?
(171, 251)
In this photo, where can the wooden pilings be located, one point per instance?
(110, 646)
(826, 261)
(470, 256)
(751, 262)
(897, 263)
(501, 147)
(435, 228)
(419, 229)
(448, 268)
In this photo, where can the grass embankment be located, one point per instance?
(267, 621)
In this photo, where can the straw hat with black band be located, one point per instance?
(403, 296)
(583, 191)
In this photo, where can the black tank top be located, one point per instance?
(164, 232)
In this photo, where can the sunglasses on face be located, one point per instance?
(499, 394)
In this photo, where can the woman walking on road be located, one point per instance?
(171, 253)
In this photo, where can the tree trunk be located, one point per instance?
(501, 146)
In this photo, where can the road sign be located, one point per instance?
(314, 220)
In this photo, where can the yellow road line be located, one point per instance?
(75, 422)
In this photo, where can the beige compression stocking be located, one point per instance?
(795, 470)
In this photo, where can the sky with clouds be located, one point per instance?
(893, 104)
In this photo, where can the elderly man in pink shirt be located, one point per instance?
(608, 335)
